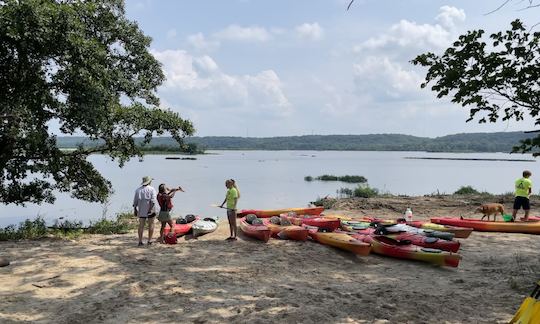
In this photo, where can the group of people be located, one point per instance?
(147, 201)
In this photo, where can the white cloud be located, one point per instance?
(199, 42)
(409, 34)
(198, 83)
(310, 31)
(246, 34)
(382, 79)
(449, 15)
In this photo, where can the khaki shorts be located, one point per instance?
(164, 216)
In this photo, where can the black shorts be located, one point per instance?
(522, 202)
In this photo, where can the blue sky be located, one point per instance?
(280, 68)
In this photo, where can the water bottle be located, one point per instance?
(408, 215)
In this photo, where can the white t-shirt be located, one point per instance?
(145, 200)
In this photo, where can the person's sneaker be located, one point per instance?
(149, 243)
(140, 244)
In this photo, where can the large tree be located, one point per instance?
(497, 81)
(81, 65)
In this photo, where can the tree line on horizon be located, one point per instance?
(467, 142)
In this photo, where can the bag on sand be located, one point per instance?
(171, 239)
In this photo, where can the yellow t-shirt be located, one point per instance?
(232, 196)
(522, 187)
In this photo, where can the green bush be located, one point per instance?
(466, 190)
(122, 225)
(347, 192)
(308, 178)
(353, 179)
(365, 192)
(345, 178)
(26, 230)
(327, 177)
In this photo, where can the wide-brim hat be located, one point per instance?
(146, 180)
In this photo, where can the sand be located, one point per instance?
(108, 279)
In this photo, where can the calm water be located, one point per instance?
(274, 179)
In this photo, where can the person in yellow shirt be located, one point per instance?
(231, 198)
(523, 192)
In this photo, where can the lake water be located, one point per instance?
(275, 179)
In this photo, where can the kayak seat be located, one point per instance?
(430, 239)
(430, 250)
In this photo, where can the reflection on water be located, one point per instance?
(274, 179)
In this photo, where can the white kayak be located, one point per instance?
(204, 226)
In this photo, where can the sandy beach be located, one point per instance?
(108, 279)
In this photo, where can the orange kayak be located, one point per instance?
(490, 226)
(341, 241)
(326, 223)
(260, 232)
(290, 232)
(276, 212)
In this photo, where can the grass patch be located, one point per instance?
(122, 225)
(325, 202)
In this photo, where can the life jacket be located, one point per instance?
(165, 202)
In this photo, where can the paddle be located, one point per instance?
(530, 308)
(218, 206)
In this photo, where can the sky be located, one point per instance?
(263, 68)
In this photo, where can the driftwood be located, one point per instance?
(4, 262)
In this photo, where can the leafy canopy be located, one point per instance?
(499, 81)
(83, 66)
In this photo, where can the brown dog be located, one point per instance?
(490, 209)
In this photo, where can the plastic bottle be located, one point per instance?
(408, 215)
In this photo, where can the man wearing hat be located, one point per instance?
(144, 205)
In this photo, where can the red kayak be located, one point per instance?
(386, 246)
(260, 232)
(326, 223)
(459, 232)
(180, 229)
(417, 239)
(276, 212)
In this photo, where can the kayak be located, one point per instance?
(459, 232)
(204, 226)
(179, 229)
(260, 232)
(341, 241)
(389, 247)
(276, 212)
(329, 224)
(416, 239)
(289, 232)
(490, 226)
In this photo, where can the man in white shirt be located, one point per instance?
(144, 206)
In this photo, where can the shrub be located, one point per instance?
(466, 190)
(365, 192)
(67, 229)
(122, 225)
(26, 230)
(327, 177)
(308, 178)
(347, 192)
(325, 202)
(353, 179)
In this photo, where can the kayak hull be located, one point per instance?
(259, 232)
(388, 247)
(341, 241)
(201, 227)
(459, 232)
(290, 232)
(328, 224)
(276, 212)
(490, 226)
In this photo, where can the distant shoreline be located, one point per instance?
(465, 159)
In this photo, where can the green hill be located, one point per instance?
(468, 142)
